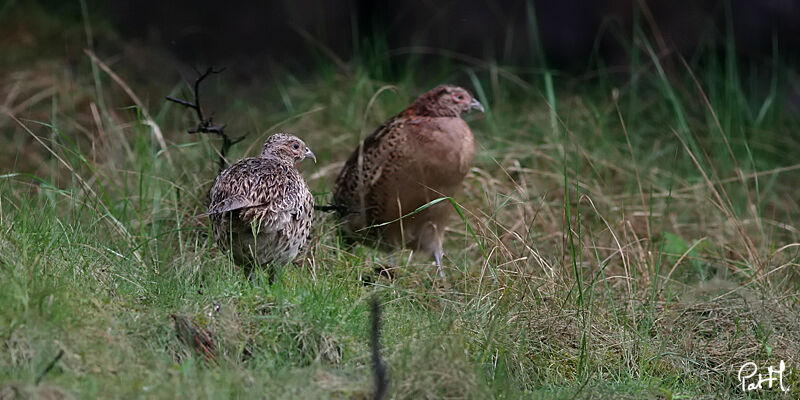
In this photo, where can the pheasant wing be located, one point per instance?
(365, 167)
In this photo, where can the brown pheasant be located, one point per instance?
(420, 155)
(261, 207)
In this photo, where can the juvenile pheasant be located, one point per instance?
(420, 155)
(261, 207)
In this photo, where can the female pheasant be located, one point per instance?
(261, 208)
(420, 155)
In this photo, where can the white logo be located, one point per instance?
(774, 375)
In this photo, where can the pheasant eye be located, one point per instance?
(460, 97)
(296, 146)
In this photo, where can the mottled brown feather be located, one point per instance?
(420, 155)
(261, 208)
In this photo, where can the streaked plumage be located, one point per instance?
(420, 155)
(261, 208)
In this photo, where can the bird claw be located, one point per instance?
(438, 257)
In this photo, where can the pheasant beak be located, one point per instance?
(310, 154)
(476, 105)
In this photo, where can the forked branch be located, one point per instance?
(206, 125)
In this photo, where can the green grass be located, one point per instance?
(640, 240)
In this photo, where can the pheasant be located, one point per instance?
(420, 155)
(261, 208)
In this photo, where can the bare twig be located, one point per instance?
(206, 125)
(381, 382)
(332, 208)
(49, 366)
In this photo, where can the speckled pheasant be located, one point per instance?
(420, 155)
(261, 207)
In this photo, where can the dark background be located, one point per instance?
(248, 35)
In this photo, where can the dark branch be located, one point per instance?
(49, 366)
(381, 382)
(206, 125)
(332, 208)
(181, 102)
